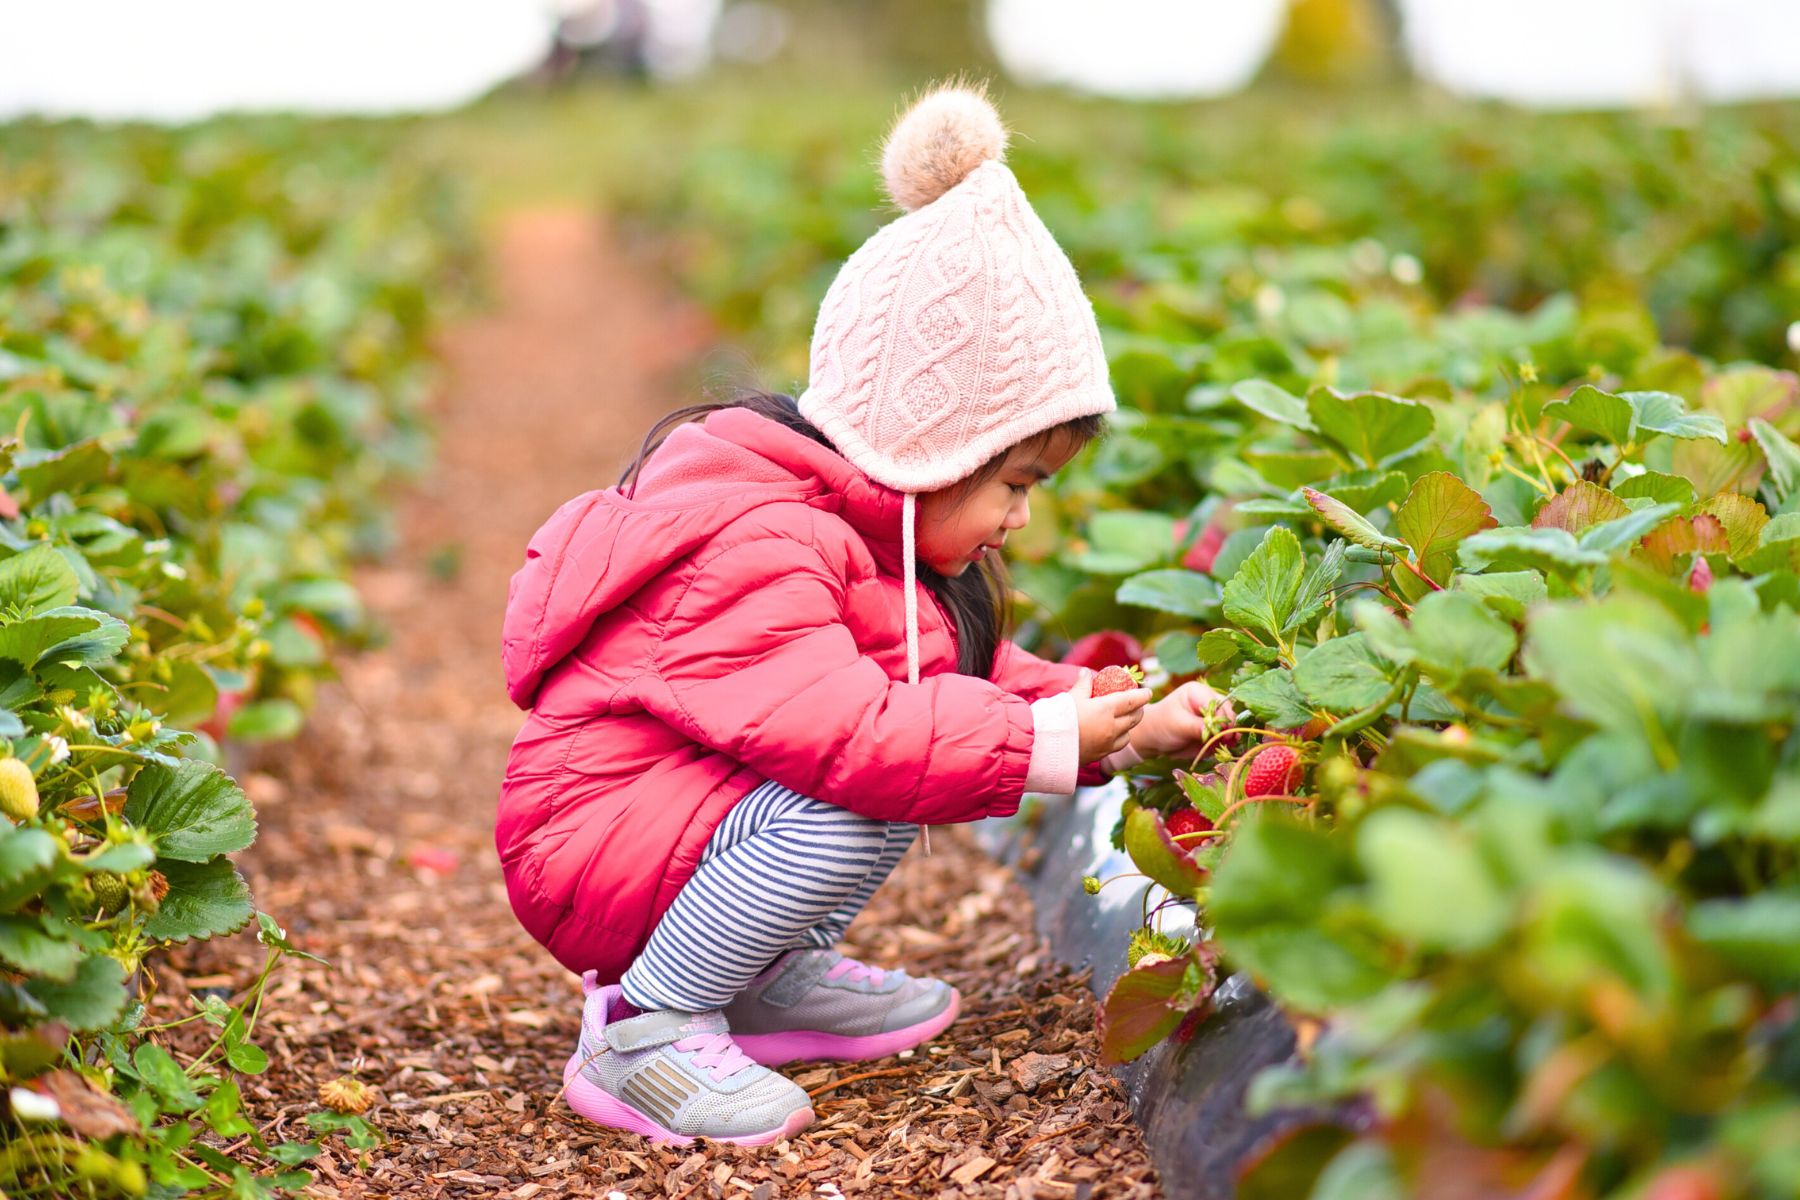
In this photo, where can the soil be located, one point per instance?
(376, 852)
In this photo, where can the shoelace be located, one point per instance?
(717, 1051)
(851, 971)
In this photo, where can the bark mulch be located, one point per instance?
(376, 853)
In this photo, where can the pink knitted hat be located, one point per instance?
(959, 329)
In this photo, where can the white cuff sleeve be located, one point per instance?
(1122, 759)
(1055, 746)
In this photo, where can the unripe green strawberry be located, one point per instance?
(18, 790)
(110, 891)
(1148, 943)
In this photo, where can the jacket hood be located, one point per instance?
(598, 549)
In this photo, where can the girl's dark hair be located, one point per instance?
(978, 600)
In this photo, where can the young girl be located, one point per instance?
(757, 666)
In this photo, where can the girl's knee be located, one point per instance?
(834, 829)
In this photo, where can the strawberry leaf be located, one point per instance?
(1259, 395)
(1578, 506)
(1440, 511)
(1349, 523)
(1263, 592)
(1593, 411)
(1139, 1011)
(1343, 674)
(1373, 428)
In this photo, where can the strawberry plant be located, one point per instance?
(1510, 822)
(211, 346)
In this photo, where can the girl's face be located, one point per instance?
(959, 525)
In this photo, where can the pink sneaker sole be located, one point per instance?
(775, 1049)
(602, 1108)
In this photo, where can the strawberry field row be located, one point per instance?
(211, 358)
(1439, 458)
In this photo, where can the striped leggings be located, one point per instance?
(782, 871)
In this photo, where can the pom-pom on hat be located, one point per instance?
(959, 329)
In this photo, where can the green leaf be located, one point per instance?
(1347, 522)
(1429, 884)
(64, 469)
(1365, 490)
(1509, 593)
(164, 1076)
(69, 635)
(1440, 511)
(1783, 457)
(1343, 674)
(1270, 902)
(96, 645)
(1658, 488)
(247, 1057)
(1124, 542)
(193, 811)
(1315, 589)
(1263, 592)
(271, 934)
(1141, 1009)
(1185, 593)
(1373, 428)
(1594, 411)
(1778, 546)
(204, 900)
(1625, 664)
(1553, 551)
(1623, 532)
(1263, 397)
(1666, 413)
(28, 857)
(26, 945)
(1454, 633)
(1759, 935)
(37, 580)
(123, 857)
(93, 1000)
(1274, 699)
(265, 721)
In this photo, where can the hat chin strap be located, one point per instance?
(908, 552)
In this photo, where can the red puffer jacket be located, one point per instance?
(740, 618)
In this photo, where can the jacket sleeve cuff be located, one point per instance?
(1055, 746)
(1122, 759)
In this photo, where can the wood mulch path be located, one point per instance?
(376, 851)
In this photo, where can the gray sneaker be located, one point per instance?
(675, 1076)
(819, 1004)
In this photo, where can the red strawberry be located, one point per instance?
(1107, 648)
(1701, 577)
(1116, 679)
(1185, 821)
(1200, 555)
(1275, 771)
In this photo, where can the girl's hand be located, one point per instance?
(1181, 722)
(1106, 723)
